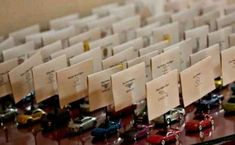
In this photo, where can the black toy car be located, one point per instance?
(55, 120)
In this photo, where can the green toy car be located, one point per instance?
(229, 106)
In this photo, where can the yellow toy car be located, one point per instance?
(30, 117)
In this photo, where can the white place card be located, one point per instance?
(94, 54)
(86, 37)
(227, 20)
(21, 77)
(199, 36)
(169, 32)
(5, 67)
(106, 44)
(186, 49)
(44, 77)
(221, 36)
(70, 52)
(137, 44)
(103, 10)
(6, 44)
(47, 50)
(126, 28)
(19, 35)
(162, 94)
(212, 51)
(146, 59)
(100, 88)
(232, 40)
(80, 25)
(119, 58)
(208, 19)
(72, 82)
(61, 22)
(147, 33)
(128, 86)
(163, 19)
(19, 51)
(228, 65)
(165, 62)
(156, 46)
(123, 12)
(105, 24)
(197, 81)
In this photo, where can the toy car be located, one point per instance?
(163, 137)
(55, 120)
(173, 115)
(30, 117)
(8, 114)
(229, 106)
(210, 101)
(141, 118)
(135, 133)
(79, 125)
(106, 129)
(199, 123)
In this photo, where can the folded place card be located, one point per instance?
(72, 82)
(100, 88)
(70, 52)
(63, 35)
(94, 54)
(221, 37)
(128, 86)
(106, 44)
(212, 51)
(44, 77)
(199, 36)
(2, 38)
(119, 58)
(105, 24)
(61, 22)
(163, 19)
(19, 51)
(162, 94)
(146, 59)
(19, 35)
(103, 10)
(169, 32)
(231, 40)
(197, 81)
(37, 38)
(229, 9)
(81, 24)
(126, 28)
(86, 37)
(228, 65)
(137, 44)
(5, 67)
(21, 77)
(186, 49)
(165, 62)
(6, 44)
(208, 19)
(147, 33)
(156, 46)
(47, 50)
(185, 19)
(123, 11)
(227, 20)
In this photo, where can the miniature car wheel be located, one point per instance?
(220, 101)
(163, 142)
(168, 121)
(208, 106)
(200, 127)
(135, 139)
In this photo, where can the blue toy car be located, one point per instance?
(106, 129)
(210, 101)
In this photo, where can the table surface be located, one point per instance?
(224, 126)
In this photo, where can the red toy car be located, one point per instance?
(163, 137)
(199, 123)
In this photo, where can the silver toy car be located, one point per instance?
(79, 125)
